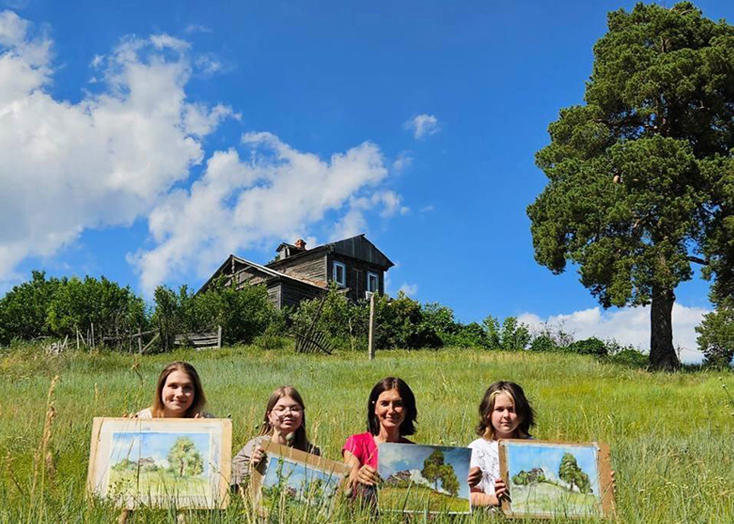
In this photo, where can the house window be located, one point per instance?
(340, 274)
(373, 282)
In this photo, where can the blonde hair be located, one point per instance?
(522, 407)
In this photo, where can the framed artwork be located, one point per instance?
(291, 477)
(181, 463)
(424, 479)
(556, 479)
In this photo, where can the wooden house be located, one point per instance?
(298, 273)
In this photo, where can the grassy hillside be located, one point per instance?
(671, 435)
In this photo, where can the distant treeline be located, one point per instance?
(102, 311)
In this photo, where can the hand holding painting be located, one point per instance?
(284, 423)
(178, 394)
(504, 413)
(391, 415)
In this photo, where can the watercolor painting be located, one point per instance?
(161, 463)
(552, 479)
(421, 479)
(293, 478)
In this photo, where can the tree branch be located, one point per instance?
(698, 260)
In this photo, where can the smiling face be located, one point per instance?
(390, 410)
(177, 394)
(503, 417)
(286, 415)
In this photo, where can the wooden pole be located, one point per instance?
(92, 334)
(140, 339)
(219, 337)
(371, 343)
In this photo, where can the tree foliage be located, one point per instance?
(435, 470)
(640, 183)
(184, 459)
(570, 472)
(716, 337)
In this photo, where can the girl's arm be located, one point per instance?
(361, 474)
(479, 498)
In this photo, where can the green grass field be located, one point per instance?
(418, 498)
(157, 484)
(671, 435)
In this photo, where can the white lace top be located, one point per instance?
(485, 456)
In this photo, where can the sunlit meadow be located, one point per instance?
(671, 435)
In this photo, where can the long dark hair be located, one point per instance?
(300, 441)
(522, 407)
(197, 406)
(387, 384)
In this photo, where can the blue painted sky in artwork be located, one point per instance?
(404, 457)
(156, 445)
(436, 108)
(523, 457)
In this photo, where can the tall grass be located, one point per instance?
(671, 435)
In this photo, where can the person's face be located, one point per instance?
(177, 394)
(389, 409)
(286, 415)
(503, 418)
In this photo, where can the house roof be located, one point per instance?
(273, 274)
(347, 246)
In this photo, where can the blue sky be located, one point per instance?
(405, 457)
(145, 141)
(548, 457)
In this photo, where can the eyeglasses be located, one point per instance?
(293, 409)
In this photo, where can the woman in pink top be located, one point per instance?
(391, 416)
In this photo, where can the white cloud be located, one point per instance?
(427, 209)
(122, 154)
(241, 203)
(103, 161)
(628, 326)
(196, 28)
(422, 126)
(403, 162)
(409, 289)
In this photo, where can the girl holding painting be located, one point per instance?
(284, 423)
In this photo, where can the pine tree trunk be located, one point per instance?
(662, 353)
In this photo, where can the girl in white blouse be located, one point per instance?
(504, 413)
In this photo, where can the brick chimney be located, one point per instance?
(301, 244)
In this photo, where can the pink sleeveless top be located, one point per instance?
(364, 448)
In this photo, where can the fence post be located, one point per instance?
(371, 341)
(219, 337)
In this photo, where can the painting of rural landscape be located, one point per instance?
(424, 478)
(553, 479)
(293, 483)
(152, 466)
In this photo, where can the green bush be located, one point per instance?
(24, 309)
(470, 335)
(514, 335)
(543, 343)
(243, 313)
(629, 357)
(589, 346)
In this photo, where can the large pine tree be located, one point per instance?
(640, 184)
